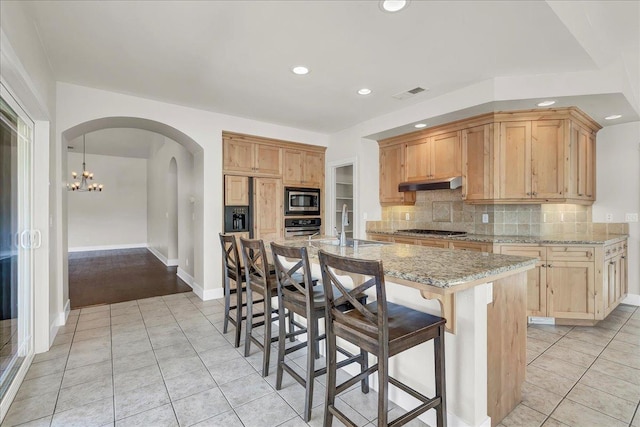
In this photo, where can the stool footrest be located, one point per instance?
(342, 417)
(362, 375)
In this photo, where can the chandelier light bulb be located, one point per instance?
(74, 175)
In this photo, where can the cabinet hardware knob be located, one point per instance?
(580, 194)
(528, 194)
(549, 265)
(589, 195)
(611, 262)
(623, 257)
(534, 194)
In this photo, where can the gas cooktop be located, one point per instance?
(433, 232)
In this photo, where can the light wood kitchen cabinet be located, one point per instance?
(251, 158)
(576, 284)
(268, 195)
(532, 159)
(469, 246)
(477, 162)
(303, 168)
(392, 164)
(536, 278)
(433, 243)
(582, 166)
(432, 157)
(236, 190)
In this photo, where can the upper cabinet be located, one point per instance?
(303, 168)
(433, 157)
(532, 160)
(534, 156)
(297, 164)
(392, 173)
(251, 157)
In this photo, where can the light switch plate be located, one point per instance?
(631, 217)
(609, 217)
(485, 218)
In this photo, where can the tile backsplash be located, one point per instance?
(444, 210)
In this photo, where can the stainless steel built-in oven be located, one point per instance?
(296, 227)
(301, 201)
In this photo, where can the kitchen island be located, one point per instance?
(483, 297)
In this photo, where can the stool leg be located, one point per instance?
(247, 338)
(383, 388)
(331, 376)
(312, 349)
(281, 345)
(441, 409)
(364, 365)
(292, 338)
(238, 313)
(227, 303)
(268, 316)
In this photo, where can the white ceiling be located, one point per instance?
(235, 57)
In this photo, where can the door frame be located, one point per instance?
(330, 198)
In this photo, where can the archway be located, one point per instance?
(180, 205)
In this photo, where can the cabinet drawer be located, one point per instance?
(570, 253)
(405, 240)
(526, 251)
(614, 249)
(469, 246)
(433, 243)
(380, 237)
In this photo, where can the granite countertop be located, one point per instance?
(551, 239)
(442, 268)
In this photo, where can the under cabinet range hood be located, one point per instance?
(431, 184)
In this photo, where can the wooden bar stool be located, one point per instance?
(299, 294)
(232, 273)
(260, 278)
(383, 329)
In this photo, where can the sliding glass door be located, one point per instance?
(16, 239)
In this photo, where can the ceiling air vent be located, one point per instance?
(408, 93)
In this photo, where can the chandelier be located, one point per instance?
(82, 184)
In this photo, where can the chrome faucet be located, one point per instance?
(345, 221)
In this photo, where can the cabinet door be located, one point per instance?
(417, 157)
(570, 290)
(581, 183)
(268, 159)
(391, 174)
(268, 210)
(590, 169)
(477, 150)
(536, 278)
(238, 156)
(293, 163)
(624, 277)
(313, 169)
(515, 160)
(547, 159)
(236, 190)
(404, 240)
(446, 158)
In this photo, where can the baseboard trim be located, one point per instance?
(632, 299)
(108, 247)
(186, 277)
(53, 329)
(173, 262)
(158, 255)
(62, 320)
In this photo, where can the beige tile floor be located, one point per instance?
(164, 362)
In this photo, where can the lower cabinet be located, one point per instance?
(574, 283)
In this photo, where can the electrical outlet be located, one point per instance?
(407, 216)
(631, 217)
(561, 216)
(485, 218)
(609, 217)
(187, 262)
(544, 217)
(364, 216)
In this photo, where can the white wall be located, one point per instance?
(158, 203)
(25, 71)
(618, 187)
(77, 105)
(115, 217)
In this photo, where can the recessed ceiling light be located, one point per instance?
(546, 103)
(393, 5)
(300, 70)
(364, 91)
(420, 125)
(613, 117)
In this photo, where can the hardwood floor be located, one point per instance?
(108, 277)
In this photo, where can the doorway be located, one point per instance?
(343, 187)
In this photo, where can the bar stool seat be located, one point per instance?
(383, 329)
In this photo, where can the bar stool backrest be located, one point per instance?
(256, 264)
(373, 323)
(295, 284)
(230, 257)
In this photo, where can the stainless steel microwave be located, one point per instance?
(301, 201)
